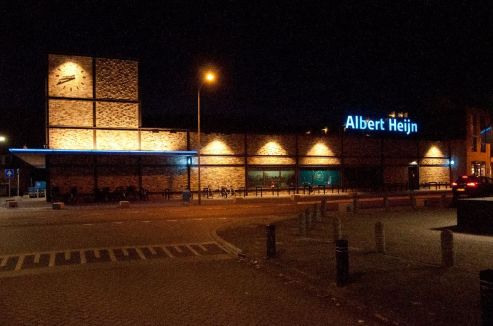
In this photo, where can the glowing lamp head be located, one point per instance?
(210, 77)
(3, 139)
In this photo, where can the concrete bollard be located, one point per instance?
(447, 242)
(316, 213)
(337, 228)
(58, 205)
(486, 292)
(342, 262)
(302, 224)
(308, 217)
(270, 230)
(323, 207)
(379, 237)
(355, 202)
(124, 204)
(386, 203)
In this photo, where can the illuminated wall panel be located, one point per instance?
(117, 115)
(71, 138)
(433, 149)
(70, 76)
(117, 139)
(271, 160)
(219, 177)
(163, 141)
(117, 79)
(70, 113)
(433, 174)
(319, 145)
(271, 144)
(319, 161)
(220, 160)
(215, 143)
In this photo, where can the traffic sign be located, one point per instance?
(9, 173)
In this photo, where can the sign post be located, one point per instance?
(18, 176)
(9, 174)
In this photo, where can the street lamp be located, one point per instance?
(209, 77)
(3, 139)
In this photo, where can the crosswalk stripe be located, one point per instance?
(111, 253)
(83, 259)
(140, 253)
(167, 251)
(97, 254)
(52, 260)
(152, 250)
(4, 261)
(178, 249)
(36, 258)
(193, 250)
(67, 255)
(202, 247)
(20, 261)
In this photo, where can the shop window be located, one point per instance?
(266, 177)
(319, 177)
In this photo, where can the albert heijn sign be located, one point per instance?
(403, 126)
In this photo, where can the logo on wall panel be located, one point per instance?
(9, 173)
(405, 126)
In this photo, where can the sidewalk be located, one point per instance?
(406, 285)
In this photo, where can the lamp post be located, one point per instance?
(208, 77)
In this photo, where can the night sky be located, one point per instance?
(285, 67)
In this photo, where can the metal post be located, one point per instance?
(447, 242)
(271, 240)
(413, 201)
(355, 202)
(302, 224)
(198, 142)
(380, 237)
(18, 183)
(9, 187)
(342, 262)
(486, 292)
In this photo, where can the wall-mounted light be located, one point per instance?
(325, 130)
(452, 162)
(189, 160)
(413, 163)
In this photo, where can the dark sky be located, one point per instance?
(285, 66)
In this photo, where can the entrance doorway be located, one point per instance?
(413, 177)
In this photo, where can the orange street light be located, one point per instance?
(208, 77)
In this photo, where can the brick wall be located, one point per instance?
(117, 115)
(70, 113)
(71, 138)
(117, 139)
(117, 79)
(163, 140)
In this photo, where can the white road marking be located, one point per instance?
(192, 250)
(172, 220)
(146, 221)
(152, 250)
(4, 261)
(97, 254)
(20, 261)
(178, 249)
(197, 219)
(125, 252)
(87, 224)
(52, 260)
(67, 255)
(140, 253)
(117, 222)
(83, 257)
(112, 255)
(36, 258)
(202, 247)
(167, 251)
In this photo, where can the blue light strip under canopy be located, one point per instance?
(43, 151)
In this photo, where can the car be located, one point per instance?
(472, 186)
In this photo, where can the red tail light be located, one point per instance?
(454, 184)
(472, 184)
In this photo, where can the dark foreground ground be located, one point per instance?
(407, 285)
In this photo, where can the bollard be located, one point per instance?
(337, 228)
(271, 240)
(308, 217)
(342, 262)
(302, 224)
(486, 292)
(447, 241)
(379, 237)
(386, 202)
(355, 202)
(323, 207)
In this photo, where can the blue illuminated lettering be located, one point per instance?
(405, 126)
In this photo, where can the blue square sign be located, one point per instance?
(9, 173)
